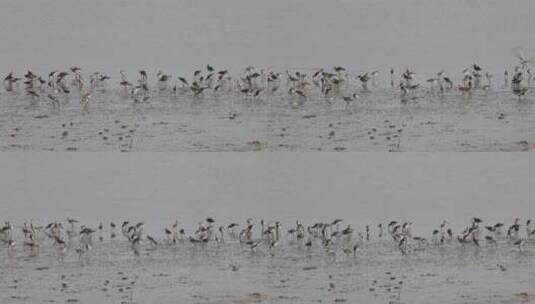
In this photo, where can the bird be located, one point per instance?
(520, 244)
(152, 241)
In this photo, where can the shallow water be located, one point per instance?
(290, 273)
(225, 121)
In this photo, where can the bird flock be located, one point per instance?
(332, 85)
(333, 237)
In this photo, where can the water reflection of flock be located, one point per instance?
(332, 85)
(333, 237)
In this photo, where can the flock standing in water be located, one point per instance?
(333, 85)
(331, 236)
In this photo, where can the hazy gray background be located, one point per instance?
(177, 35)
(363, 188)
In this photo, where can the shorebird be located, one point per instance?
(325, 233)
(520, 244)
(380, 226)
(9, 80)
(514, 229)
(300, 93)
(143, 75)
(516, 84)
(9, 77)
(364, 78)
(488, 76)
(152, 241)
(253, 244)
(403, 245)
(349, 99)
(84, 100)
(53, 100)
(162, 78)
(339, 69)
(529, 229)
(124, 82)
(332, 84)
(490, 239)
(466, 87)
